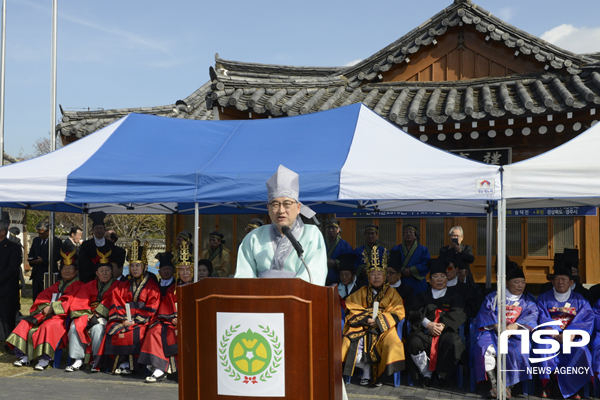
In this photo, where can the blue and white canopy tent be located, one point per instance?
(347, 158)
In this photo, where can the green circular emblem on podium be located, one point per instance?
(250, 353)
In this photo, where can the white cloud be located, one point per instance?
(577, 40)
(351, 63)
(506, 13)
(131, 39)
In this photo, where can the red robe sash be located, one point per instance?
(433, 354)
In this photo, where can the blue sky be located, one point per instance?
(137, 53)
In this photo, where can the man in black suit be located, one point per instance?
(462, 253)
(88, 252)
(10, 268)
(38, 257)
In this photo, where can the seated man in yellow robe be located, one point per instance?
(371, 342)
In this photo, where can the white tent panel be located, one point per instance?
(568, 174)
(385, 161)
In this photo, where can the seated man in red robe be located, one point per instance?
(89, 313)
(133, 306)
(41, 333)
(159, 351)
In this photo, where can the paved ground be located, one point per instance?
(60, 385)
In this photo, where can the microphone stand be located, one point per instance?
(306, 267)
(288, 233)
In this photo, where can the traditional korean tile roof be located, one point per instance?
(82, 123)
(412, 102)
(566, 81)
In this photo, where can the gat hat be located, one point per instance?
(371, 227)
(373, 263)
(185, 235)
(165, 259)
(561, 271)
(254, 223)
(513, 271)
(98, 218)
(347, 262)
(285, 183)
(438, 266)
(14, 230)
(136, 253)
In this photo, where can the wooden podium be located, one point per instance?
(312, 344)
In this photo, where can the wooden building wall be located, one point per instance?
(460, 54)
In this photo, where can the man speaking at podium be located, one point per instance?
(267, 252)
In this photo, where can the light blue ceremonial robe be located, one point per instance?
(256, 253)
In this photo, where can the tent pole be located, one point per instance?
(84, 225)
(50, 280)
(196, 223)
(2, 81)
(488, 247)
(501, 258)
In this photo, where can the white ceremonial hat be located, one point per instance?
(285, 183)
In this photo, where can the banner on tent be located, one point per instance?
(518, 212)
(495, 156)
(552, 212)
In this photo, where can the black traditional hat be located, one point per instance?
(97, 218)
(347, 262)
(185, 235)
(371, 227)
(334, 222)
(409, 226)
(561, 271)
(559, 260)
(68, 254)
(165, 259)
(572, 257)
(217, 235)
(513, 271)
(438, 266)
(14, 230)
(254, 223)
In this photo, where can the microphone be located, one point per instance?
(288, 234)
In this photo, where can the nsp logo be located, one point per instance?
(567, 341)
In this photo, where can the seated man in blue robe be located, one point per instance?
(573, 312)
(336, 246)
(414, 260)
(521, 313)
(363, 253)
